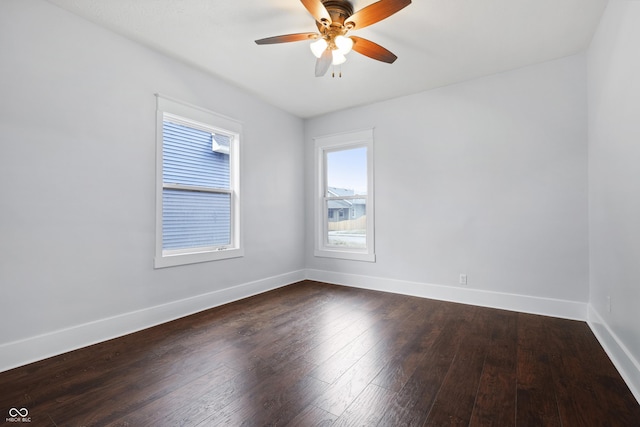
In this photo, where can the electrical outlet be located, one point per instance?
(463, 279)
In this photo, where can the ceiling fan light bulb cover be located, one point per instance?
(344, 44)
(318, 46)
(338, 58)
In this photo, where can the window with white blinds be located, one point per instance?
(198, 218)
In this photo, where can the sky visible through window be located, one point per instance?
(348, 169)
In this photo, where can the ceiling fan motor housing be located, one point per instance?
(339, 10)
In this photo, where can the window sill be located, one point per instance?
(353, 256)
(196, 257)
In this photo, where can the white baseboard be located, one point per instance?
(32, 349)
(625, 363)
(522, 303)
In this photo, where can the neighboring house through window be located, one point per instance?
(344, 196)
(198, 200)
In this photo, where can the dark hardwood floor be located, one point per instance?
(313, 354)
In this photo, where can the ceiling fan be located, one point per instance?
(334, 19)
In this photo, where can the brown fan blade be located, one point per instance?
(372, 50)
(318, 11)
(375, 12)
(288, 38)
(324, 62)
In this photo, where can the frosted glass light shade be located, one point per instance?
(338, 58)
(318, 46)
(344, 44)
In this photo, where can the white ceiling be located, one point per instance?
(438, 42)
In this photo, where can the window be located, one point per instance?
(197, 198)
(344, 196)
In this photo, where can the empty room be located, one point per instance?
(320, 212)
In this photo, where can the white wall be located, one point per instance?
(77, 167)
(614, 185)
(486, 178)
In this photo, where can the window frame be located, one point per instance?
(198, 118)
(333, 143)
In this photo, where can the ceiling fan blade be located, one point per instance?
(376, 12)
(324, 62)
(288, 38)
(372, 50)
(318, 11)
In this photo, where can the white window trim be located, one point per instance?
(198, 117)
(324, 144)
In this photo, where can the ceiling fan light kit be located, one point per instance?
(318, 46)
(344, 44)
(334, 19)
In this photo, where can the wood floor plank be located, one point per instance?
(404, 361)
(339, 334)
(378, 329)
(292, 402)
(127, 392)
(456, 397)
(350, 384)
(413, 402)
(586, 394)
(535, 394)
(313, 416)
(274, 389)
(173, 406)
(318, 354)
(497, 388)
(367, 409)
(203, 406)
